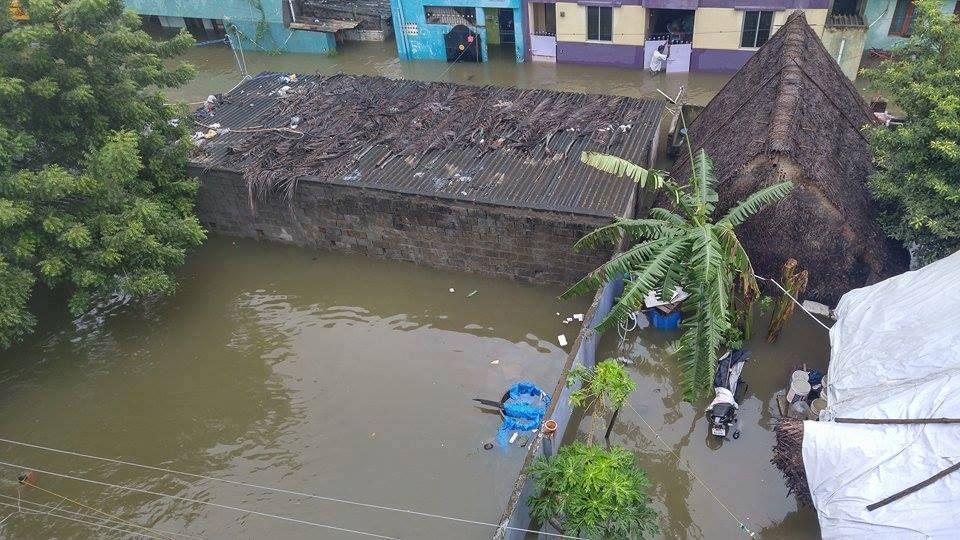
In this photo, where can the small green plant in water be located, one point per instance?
(603, 389)
(593, 492)
(589, 490)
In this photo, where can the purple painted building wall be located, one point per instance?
(632, 55)
(600, 54)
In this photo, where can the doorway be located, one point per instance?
(507, 31)
(675, 26)
(543, 31)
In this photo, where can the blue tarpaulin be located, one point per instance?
(523, 410)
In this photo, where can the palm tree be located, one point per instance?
(684, 247)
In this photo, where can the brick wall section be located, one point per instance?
(521, 244)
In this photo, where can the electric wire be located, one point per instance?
(64, 498)
(195, 501)
(795, 301)
(89, 523)
(275, 489)
(743, 526)
(81, 514)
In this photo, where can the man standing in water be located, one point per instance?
(658, 62)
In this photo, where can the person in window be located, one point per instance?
(659, 61)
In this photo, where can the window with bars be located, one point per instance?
(903, 17)
(756, 28)
(544, 19)
(599, 23)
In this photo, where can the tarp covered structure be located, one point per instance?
(895, 354)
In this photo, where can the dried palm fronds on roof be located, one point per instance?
(788, 457)
(490, 144)
(791, 114)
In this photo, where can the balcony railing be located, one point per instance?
(836, 20)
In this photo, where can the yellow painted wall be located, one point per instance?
(629, 23)
(721, 28)
(571, 22)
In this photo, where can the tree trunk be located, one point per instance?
(795, 283)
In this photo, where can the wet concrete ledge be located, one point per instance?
(516, 515)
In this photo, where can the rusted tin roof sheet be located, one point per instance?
(524, 168)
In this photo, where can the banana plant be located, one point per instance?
(678, 246)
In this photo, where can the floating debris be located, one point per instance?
(473, 292)
(562, 340)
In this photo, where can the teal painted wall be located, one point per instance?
(427, 44)
(243, 15)
(881, 11)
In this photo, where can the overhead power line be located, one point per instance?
(21, 501)
(207, 503)
(281, 490)
(50, 513)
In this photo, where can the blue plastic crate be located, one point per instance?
(665, 322)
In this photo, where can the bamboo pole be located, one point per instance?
(914, 488)
(795, 283)
(897, 421)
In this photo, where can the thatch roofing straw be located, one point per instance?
(791, 114)
(788, 457)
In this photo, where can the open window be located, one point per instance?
(673, 24)
(846, 13)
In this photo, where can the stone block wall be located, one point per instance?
(514, 243)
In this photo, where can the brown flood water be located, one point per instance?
(321, 373)
(218, 72)
(352, 378)
(739, 471)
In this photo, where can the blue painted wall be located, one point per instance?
(881, 11)
(243, 15)
(427, 44)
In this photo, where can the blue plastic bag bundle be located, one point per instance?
(523, 410)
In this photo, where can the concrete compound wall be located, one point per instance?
(520, 244)
(516, 515)
(845, 44)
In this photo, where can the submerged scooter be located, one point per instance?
(722, 411)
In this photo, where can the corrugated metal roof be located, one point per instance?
(537, 179)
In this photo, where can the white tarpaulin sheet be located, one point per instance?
(895, 353)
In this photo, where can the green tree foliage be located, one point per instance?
(917, 181)
(94, 198)
(588, 490)
(602, 389)
(593, 492)
(687, 248)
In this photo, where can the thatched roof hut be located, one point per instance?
(791, 114)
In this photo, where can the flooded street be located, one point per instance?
(739, 471)
(218, 72)
(320, 373)
(353, 378)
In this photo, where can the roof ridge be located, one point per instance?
(791, 74)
